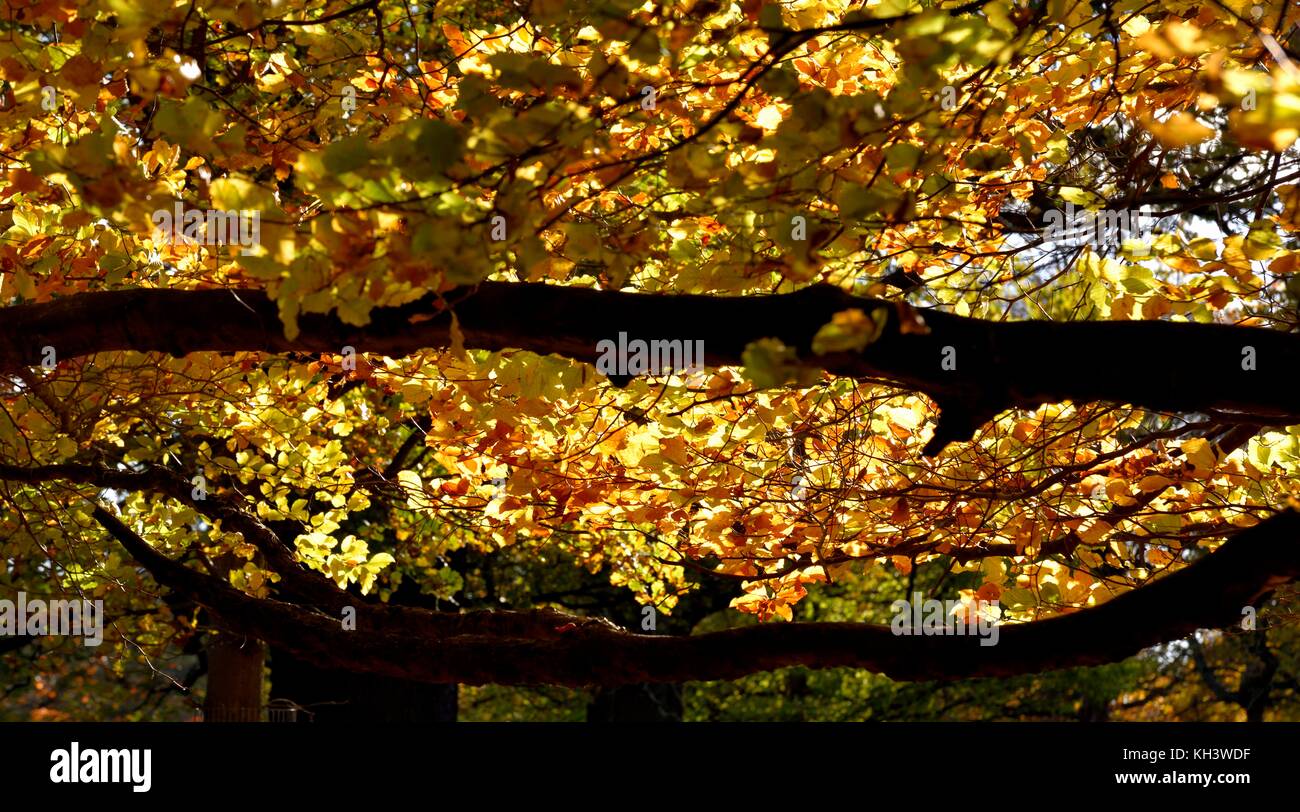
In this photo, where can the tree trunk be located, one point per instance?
(234, 679)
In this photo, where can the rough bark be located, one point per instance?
(234, 679)
(551, 647)
(1187, 367)
(1157, 364)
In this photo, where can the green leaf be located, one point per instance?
(240, 194)
(423, 148)
(67, 447)
(857, 201)
(190, 124)
(1058, 148)
(346, 155)
(903, 157)
(987, 158)
(769, 362)
(1080, 197)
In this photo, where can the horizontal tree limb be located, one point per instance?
(544, 646)
(971, 368)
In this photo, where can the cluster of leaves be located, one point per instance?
(396, 150)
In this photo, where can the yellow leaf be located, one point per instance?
(1178, 131)
(457, 338)
(1117, 490)
(1200, 454)
(234, 193)
(1154, 482)
(1262, 242)
(1093, 531)
(1158, 557)
(849, 330)
(769, 118)
(1290, 197)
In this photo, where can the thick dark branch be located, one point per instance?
(990, 366)
(549, 647)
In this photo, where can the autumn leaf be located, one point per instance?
(849, 330)
(1179, 130)
(853, 358)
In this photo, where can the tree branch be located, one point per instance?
(543, 646)
(971, 368)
